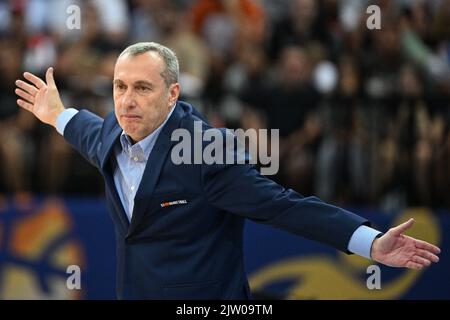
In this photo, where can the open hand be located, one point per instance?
(40, 98)
(398, 250)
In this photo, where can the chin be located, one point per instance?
(130, 130)
(135, 134)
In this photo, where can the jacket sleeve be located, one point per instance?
(83, 133)
(242, 190)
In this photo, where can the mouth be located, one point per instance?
(130, 117)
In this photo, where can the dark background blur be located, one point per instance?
(363, 114)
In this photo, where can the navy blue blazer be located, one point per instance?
(193, 249)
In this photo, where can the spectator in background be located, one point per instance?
(146, 16)
(342, 173)
(226, 24)
(18, 136)
(192, 51)
(302, 25)
(291, 108)
(14, 145)
(227, 27)
(380, 66)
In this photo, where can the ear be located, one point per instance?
(174, 93)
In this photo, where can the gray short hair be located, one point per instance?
(171, 70)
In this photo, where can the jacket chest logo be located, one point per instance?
(173, 203)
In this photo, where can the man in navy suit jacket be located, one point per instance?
(179, 227)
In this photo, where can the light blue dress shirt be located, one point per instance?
(132, 159)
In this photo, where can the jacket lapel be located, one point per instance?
(108, 146)
(153, 168)
(120, 215)
(107, 167)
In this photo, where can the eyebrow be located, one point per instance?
(139, 82)
(144, 83)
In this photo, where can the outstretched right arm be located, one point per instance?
(43, 100)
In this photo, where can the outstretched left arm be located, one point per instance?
(398, 250)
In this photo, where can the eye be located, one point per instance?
(120, 86)
(143, 89)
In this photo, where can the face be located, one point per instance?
(295, 66)
(141, 98)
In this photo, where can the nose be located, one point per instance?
(128, 100)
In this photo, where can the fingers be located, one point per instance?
(49, 78)
(398, 230)
(427, 255)
(414, 265)
(27, 87)
(34, 80)
(427, 246)
(26, 105)
(422, 261)
(26, 96)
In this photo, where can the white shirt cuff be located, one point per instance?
(64, 118)
(361, 241)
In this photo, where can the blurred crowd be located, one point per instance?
(363, 114)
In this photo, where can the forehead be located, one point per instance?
(145, 66)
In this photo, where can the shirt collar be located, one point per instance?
(142, 149)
